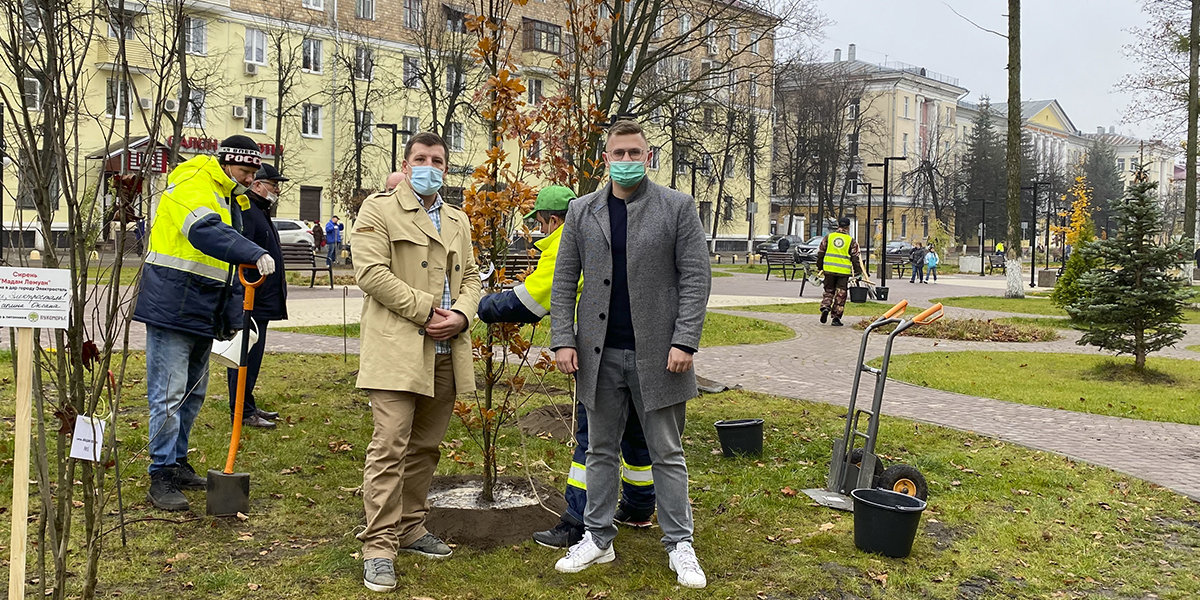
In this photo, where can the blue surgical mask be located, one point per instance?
(426, 181)
(627, 174)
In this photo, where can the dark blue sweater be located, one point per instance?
(620, 319)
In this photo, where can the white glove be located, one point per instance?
(265, 265)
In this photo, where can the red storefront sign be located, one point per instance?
(135, 160)
(210, 145)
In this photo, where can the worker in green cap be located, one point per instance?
(528, 302)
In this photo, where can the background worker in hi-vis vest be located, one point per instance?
(528, 302)
(838, 258)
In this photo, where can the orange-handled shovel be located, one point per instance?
(229, 492)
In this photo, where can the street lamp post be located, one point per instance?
(884, 164)
(1049, 204)
(982, 231)
(1033, 231)
(395, 132)
(870, 225)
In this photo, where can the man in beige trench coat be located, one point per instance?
(413, 260)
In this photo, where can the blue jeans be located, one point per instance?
(331, 258)
(635, 456)
(918, 273)
(176, 381)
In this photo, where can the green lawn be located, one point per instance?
(719, 330)
(1003, 521)
(1075, 382)
(1029, 305)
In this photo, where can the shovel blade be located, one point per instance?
(228, 493)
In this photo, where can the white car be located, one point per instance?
(292, 231)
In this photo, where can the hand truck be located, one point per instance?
(853, 467)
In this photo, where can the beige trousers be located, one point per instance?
(401, 459)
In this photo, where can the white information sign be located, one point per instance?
(39, 298)
(88, 438)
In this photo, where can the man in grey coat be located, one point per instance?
(630, 337)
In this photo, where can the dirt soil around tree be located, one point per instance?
(522, 507)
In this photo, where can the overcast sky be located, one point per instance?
(1071, 49)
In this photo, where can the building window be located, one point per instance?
(685, 25)
(729, 167)
(734, 44)
(313, 4)
(256, 114)
(456, 137)
(311, 60)
(364, 63)
(33, 94)
(753, 89)
(120, 26)
(1121, 166)
(925, 227)
(710, 116)
(906, 107)
(454, 79)
(658, 27)
(710, 36)
(117, 99)
(456, 20)
(410, 124)
(31, 16)
(684, 69)
(543, 36)
(310, 120)
(655, 151)
(365, 122)
(852, 109)
(535, 91)
(195, 36)
(412, 72)
(754, 44)
(365, 9)
(904, 146)
(412, 14)
(903, 226)
(256, 46)
(193, 113)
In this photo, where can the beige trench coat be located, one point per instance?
(400, 261)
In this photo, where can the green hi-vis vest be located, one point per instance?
(837, 254)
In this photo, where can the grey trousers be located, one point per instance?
(616, 387)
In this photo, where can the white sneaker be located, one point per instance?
(584, 554)
(683, 561)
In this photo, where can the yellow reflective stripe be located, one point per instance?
(180, 264)
(191, 218)
(577, 476)
(636, 475)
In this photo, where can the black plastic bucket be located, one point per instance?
(885, 522)
(881, 292)
(740, 437)
(858, 294)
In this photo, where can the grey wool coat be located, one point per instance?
(669, 283)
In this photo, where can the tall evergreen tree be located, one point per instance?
(982, 178)
(1133, 304)
(1100, 169)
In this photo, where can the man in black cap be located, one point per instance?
(270, 299)
(188, 296)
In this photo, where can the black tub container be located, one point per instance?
(858, 294)
(740, 437)
(881, 292)
(885, 522)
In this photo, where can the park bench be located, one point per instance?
(996, 261)
(899, 262)
(517, 263)
(783, 262)
(300, 257)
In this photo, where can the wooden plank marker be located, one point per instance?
(29, 299)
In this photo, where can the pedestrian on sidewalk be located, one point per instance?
(528, 302)
(270, 299)
(414, 262)
(333, 237)
(641, 250)
(931, 264)
(837, 258)
(318, 236)
(916, 257)
(189, 296)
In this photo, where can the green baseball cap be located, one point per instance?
(554, 197)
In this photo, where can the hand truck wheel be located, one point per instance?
(905, 479)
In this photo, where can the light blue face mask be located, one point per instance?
(426, 181)
(627, 174)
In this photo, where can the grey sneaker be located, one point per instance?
(379, 574)
(429, 546)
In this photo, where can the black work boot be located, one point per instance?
(837, 322)
(564, 535)
(164, 493)
(186, 477)
(824, 314)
